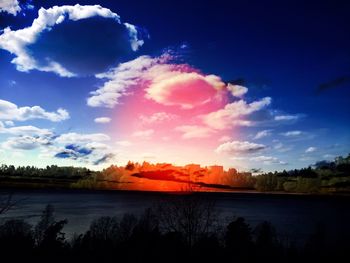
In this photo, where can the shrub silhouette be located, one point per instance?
(238, 239)
(154, 237)
(16, 236)
(46, 220)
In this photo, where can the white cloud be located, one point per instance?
(9, 123)
(72, 137)
(238, 158)
(25, 130)
(26, 142)
(143, 133)
(102, 120)
(239, 147)
(133, 34)
(292, 133)
(10, 111)
(10, 6)
(120, 79)
(267, 160)
(286, 117)
(17, 41)
(27, 137)
(157, 117)
(280, 147)
(262, 134)
(329, 156)
(230, 115)
(194, 131)
(310, 149)
(88, 148)
(237, 90)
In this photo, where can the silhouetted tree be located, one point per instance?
(266, 241)
(238, 239)
(190, 215)
(46, 220)
(16, 240)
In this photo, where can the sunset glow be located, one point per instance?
(99, 85)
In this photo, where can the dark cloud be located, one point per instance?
(84, 47)
(85, 153)
(74, 152)
(239, 81)
(107, 157)
(334, 83)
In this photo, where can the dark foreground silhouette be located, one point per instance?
(178, 229)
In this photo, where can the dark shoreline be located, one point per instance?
(7, 190)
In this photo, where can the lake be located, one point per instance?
(294, 216)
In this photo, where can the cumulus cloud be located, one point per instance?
(231, 114)
(88, 148)
(237, 90)
(310, 149)
(119, 79)
(26, 142)
(194, 131)
(164, 82)
(25, 130)
(17, 41)
(262, 134)
(157, 117)
(85, 153)
(10, 6)
(170, 87)
(26, 137)
(239, 147)
(10, 111)
(103, 120)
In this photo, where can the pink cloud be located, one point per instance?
(157, 117)
(194, 131)
(170, 87)
(232, 114)
(172, 110)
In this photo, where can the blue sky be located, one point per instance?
(295, 53)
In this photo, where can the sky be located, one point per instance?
(243, 84)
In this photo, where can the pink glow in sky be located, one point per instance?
(161, 118)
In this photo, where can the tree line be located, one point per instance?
(50, 171)
(322, 177)
(179, 229)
